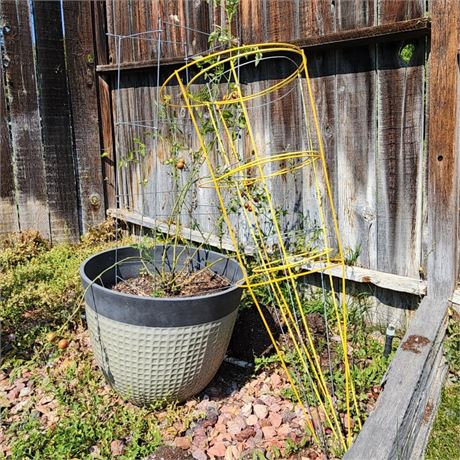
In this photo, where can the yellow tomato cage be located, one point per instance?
(210, 89)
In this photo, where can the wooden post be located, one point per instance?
(24, 116)
(83, 96)
(104, 104)
(56, 121)
(442, 161)
(8, 212)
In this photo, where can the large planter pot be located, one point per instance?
(150, 348)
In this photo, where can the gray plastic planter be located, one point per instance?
(149, 348)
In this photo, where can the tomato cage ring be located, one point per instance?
(228, 179)
(298, 265)
(236, 59)
(268, 278)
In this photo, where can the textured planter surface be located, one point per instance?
(158, 348)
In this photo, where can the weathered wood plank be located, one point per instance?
(356, 159)
(9, 221)
(24, 117)
(316, 18)
(442, 160)
(401, 406)
(390, 11)
(322, 71)
(436, 381)
(106, 128)
(252, 20)
(100, 31)
(353, 15)
(197, 17)
(56, 121)
(360, 275)
(400, 168)
(282, 21)
(85, 119)
(144, 46)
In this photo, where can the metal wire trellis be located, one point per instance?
(237, 178)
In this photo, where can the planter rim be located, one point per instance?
(158, 311)
(85, 277)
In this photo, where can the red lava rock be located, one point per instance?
(284, 431)
(198, 454)
(264, 422)
(252, 420)
(223, 419)
(117, 448)
(275, 419)
(233, 428)
(211, 418)
(269, 432)
(220, 427)
(24, 392)
(245, 434)
(222, 437)
(246, 410)
(258, 437)
(275, 380)
(217, 450)
(183, 442)
(13, 394)
(231, 409)
(200, 439)
(261, 410)
(275, 407)
(287, 416)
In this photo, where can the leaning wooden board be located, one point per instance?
(391, 431)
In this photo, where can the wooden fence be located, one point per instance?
(59, 94)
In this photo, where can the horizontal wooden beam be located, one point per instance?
(401, 30)
(386, 32)
(397, 428)
(361, 275)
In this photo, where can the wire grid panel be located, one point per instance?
(260, 185)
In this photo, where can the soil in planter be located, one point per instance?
(183, 284)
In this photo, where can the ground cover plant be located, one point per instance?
(55, 402)
(444, 440)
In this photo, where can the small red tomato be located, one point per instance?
(248, 206)
(63, 344)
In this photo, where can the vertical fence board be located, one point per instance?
(24, 117)
(442, 161)
(197, 16)
(322, 71)
(108, 161)
(282, 20)
(316, 18)
(82, 86)
(400, 10)
(252, 14)
(400, 153)
(8, 211)
(144, 46)
(56, 121)
(100, 31)
(356, 140)
(355, 14)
